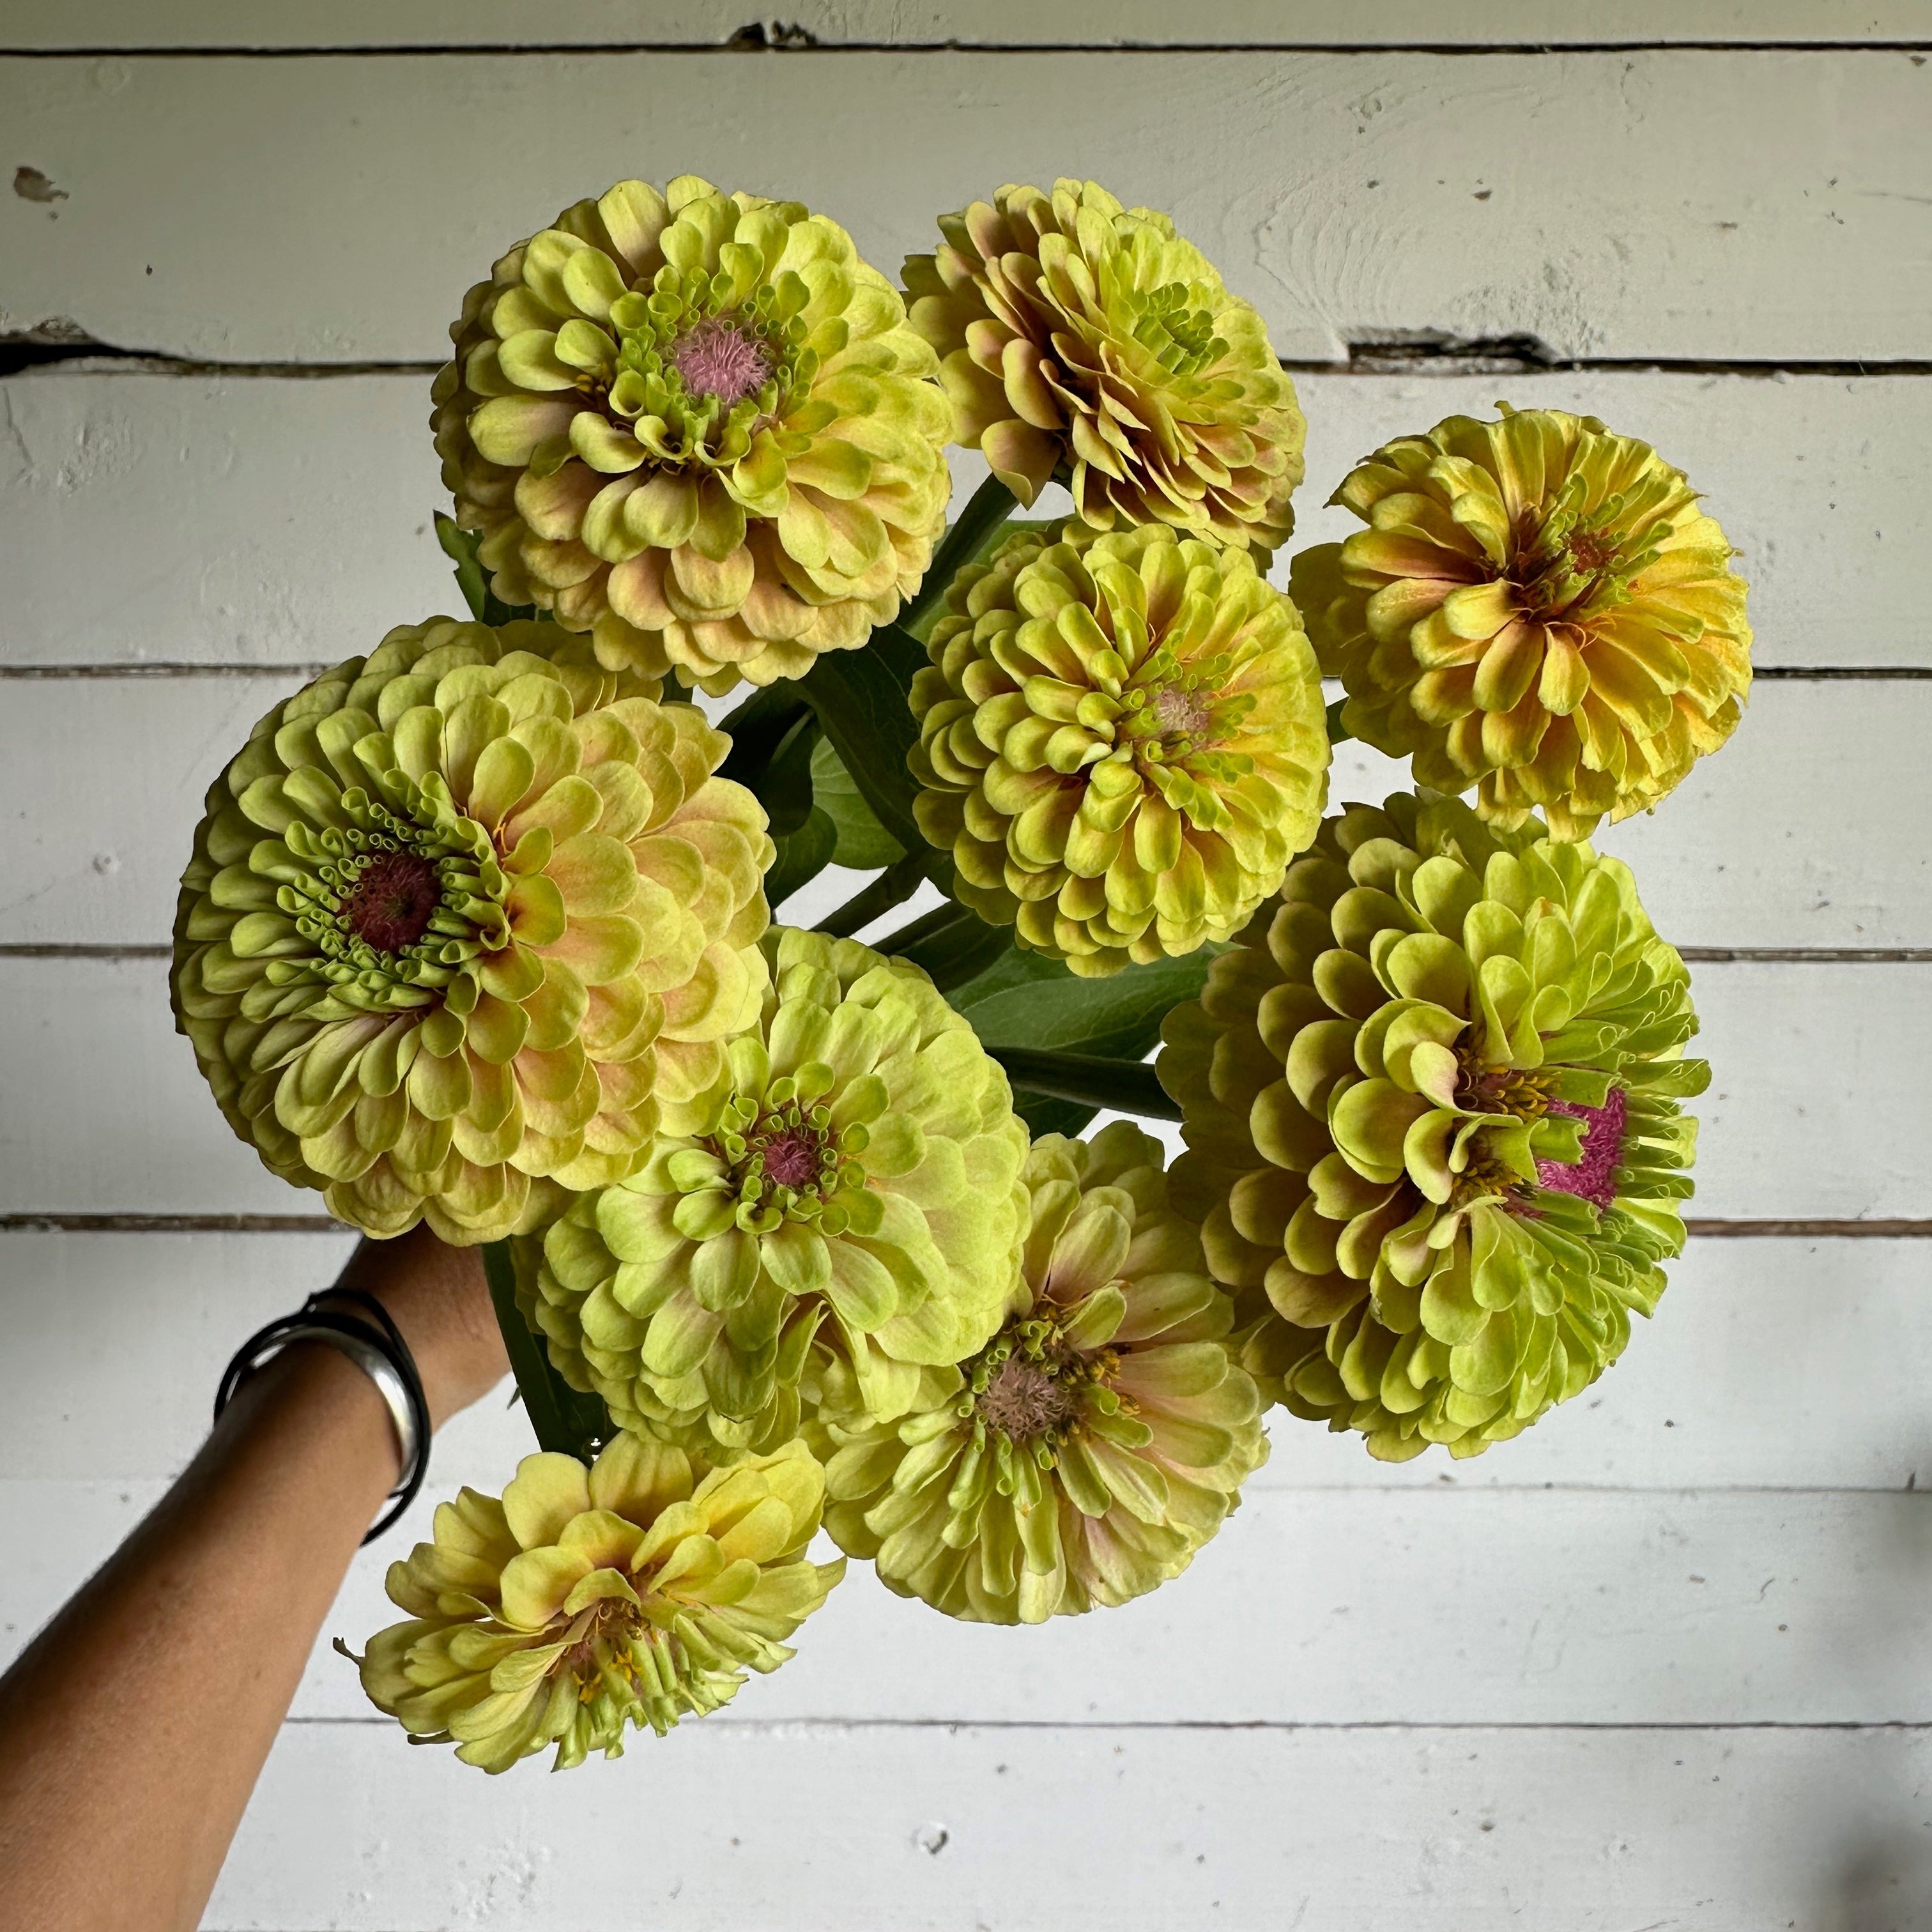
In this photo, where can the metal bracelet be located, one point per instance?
(380, 1370)
(376, 1345)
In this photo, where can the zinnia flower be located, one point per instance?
(590, 1601)
(462, 914)
(850, 1187)
(1432, 1124)
(1084, 340)
(697, 426)
(1538, 608)
(1102, 1437)
(1121, 741)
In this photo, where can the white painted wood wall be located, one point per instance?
(1665, 1662)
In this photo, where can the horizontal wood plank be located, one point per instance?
(104, 779)
(822, 1830)
(1365, 1606)
(1764, 206)
(1781, 1364)
(191, 519)
(1818, 1107)
(1531, 24)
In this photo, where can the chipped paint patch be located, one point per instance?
(30, 184)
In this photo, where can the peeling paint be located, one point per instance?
(30, 184)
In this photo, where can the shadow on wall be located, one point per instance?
(1885, 1885)
(1883, 1880)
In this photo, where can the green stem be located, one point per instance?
(990, 505)
(921, 929)
(893, 886)
(1126, 1086)
(564, 1420)
(951, 943)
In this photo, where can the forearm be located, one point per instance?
(132, 1730)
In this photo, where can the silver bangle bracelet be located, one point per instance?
(370, 1339)
(380, 1370)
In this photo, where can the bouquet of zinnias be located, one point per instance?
(790, 1234)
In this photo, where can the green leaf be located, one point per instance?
(1125, 1086)
(784, 786)
(461, 546)
(563, 1419)
(864, 844)
(1025, 999)
(863, 701)
(1338, 733)
(802, 855)
(756, 728)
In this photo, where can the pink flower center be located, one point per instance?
(715, 358)
(1023, 1399)
(392, 903)
(1181, 712)
(1593, 1178)
(791, 1160)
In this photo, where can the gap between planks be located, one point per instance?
(1692, 956)
(321, 1224)
(167, 667)
(756, 38)
(781, 1726)
(1392, 352)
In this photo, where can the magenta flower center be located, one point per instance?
(392, 901)
(716, 358)
(1593, 1178)
(791, 1159)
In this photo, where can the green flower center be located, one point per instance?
(1177, 715)
(1573, 561)
(1176, 324)
(1181, 712)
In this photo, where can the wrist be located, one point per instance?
(437, 1297)
(362, 1333)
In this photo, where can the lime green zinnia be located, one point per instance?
(1121, 742)
(1538, 608)
(697, 426)
(590, 1601)
(1432, 1124)
(1085, 340)
(461, 917)
(845, 1199)
(1084, 1456)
